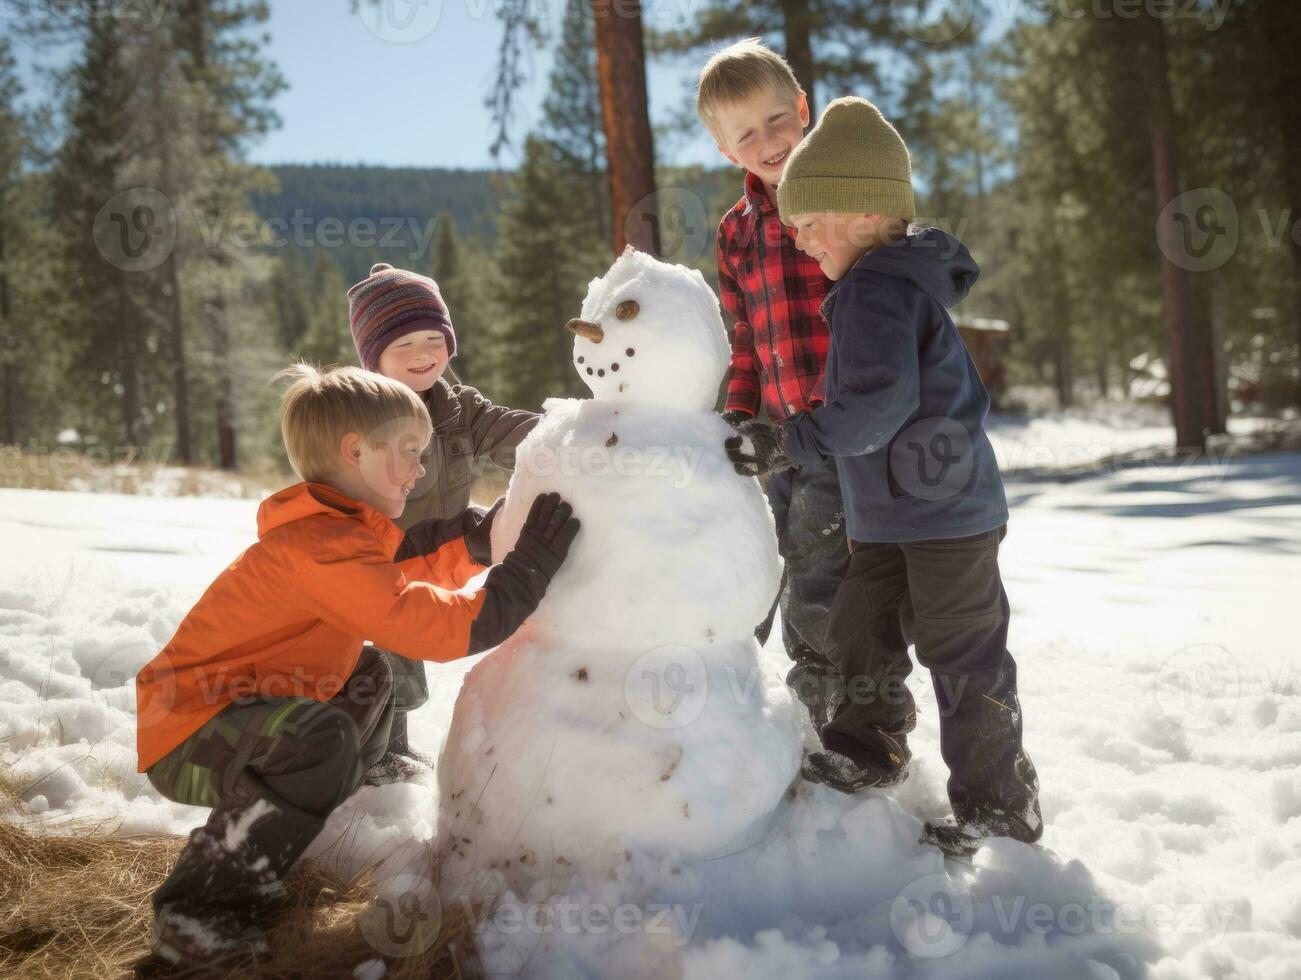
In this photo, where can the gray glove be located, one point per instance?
(759, 447)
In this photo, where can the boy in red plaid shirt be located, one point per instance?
(754, 108)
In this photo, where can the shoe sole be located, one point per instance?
(813, 775)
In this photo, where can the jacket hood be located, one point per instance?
(934, 260)
(303, 500)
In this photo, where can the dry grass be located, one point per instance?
(132, 473)
(78, 906)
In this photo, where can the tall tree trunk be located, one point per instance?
(799, 48)
(1184, 354)
(227, 456)
(184, 447)
(172, 280)
(9, 373)
(625, 114)
(128, 367)
(1182, 350)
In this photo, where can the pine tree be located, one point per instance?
(102, 314)
(552, 241)
(15, 141)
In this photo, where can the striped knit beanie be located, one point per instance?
(391, 303)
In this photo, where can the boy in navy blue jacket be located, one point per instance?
(925, 509)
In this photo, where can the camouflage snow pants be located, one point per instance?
(291, 744)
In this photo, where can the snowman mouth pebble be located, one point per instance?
(594, 332)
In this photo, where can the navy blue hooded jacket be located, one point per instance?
(905, 409)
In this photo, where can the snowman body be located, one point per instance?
(629, 712)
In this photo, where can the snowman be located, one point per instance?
(629, 712)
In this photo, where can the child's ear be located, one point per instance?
(734, 160)
(802, 107)
(350, 449)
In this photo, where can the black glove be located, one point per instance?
(514, 587)
(758, 447)
(478, 531)
(735, 417)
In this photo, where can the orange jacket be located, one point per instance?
(288, 616)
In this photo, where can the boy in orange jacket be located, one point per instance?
(264, 704)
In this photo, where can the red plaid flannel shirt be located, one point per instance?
(773, 290)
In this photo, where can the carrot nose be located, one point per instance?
(585, 328)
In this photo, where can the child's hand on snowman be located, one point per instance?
(758, 447)
(514, 587)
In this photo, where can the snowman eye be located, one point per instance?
(626, 310)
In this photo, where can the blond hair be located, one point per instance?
(320, 407)
(736, 74)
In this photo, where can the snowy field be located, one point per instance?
(1155, 623)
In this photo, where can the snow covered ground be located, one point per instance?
(1155, 624)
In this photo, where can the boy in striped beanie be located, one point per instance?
(403, 330)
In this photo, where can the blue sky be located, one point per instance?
(404, 86)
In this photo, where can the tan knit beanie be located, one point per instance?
(853, 161)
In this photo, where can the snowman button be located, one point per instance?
(614, 366)
(630, 352)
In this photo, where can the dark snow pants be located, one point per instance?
(810, 519)
(952, 592)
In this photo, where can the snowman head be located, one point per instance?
(650, 333)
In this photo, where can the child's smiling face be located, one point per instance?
(760, 133)
(416, 359)
(838, 240)
(381, 468)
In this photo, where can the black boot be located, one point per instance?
(849, 765)
(400, 763)
(229, 877)
(817, 684)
